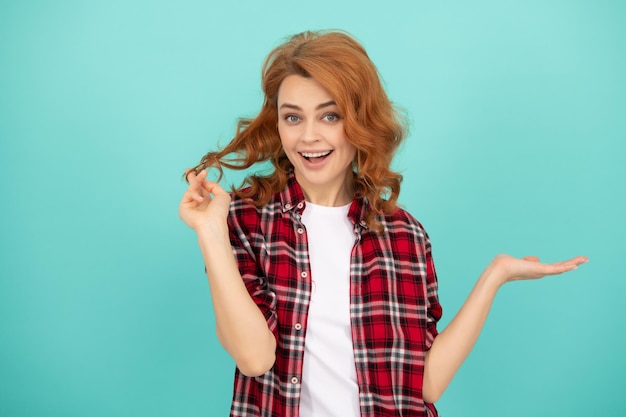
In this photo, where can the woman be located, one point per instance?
(324, 291)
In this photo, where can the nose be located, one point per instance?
(310, 132)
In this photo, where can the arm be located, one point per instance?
(452, 346)
(241, 327)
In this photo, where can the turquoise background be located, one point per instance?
(517, 139)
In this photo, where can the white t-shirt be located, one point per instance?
(329, 385)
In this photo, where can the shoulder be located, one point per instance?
(240, 204)
(402, 222)
(244, 210)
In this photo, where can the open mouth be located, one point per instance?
(315, 156)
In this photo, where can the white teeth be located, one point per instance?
(314, 155)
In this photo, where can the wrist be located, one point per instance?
(213, 232)
(494, 275)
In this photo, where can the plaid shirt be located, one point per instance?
(394, 306)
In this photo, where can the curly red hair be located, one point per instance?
(371, 123)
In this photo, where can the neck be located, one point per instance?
(330, 195)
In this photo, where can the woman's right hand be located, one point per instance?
(205, 205)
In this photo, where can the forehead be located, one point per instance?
(296, 89)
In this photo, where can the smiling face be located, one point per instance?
(311, 131)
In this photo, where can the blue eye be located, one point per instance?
(331, 117)
(290, 118)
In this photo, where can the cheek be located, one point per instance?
(282, 134)
(287, 141)
(351, 151)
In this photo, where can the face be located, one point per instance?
(310, 126)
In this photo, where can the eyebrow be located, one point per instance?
(320, 106)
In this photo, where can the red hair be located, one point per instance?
(371, 123)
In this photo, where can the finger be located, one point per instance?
(568, 265)
(196, 190)
(195, 181)
(201, 175)
(531, 258)
(191, 195)
(214, 188)
(578, 260)
(197, 178)
(190, 174)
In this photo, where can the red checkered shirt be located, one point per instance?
(394, 306)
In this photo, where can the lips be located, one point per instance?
(315, 155)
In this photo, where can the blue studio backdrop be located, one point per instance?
(517, 145)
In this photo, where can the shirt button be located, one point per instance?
(300, 205)
(288, 206)
(300, 230)
(304, 274)
(298, 326)
(294, 380)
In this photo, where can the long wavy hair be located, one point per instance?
(371, 123)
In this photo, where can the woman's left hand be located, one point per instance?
(454, 343)
(510, 268)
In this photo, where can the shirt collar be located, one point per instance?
(292, 199)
